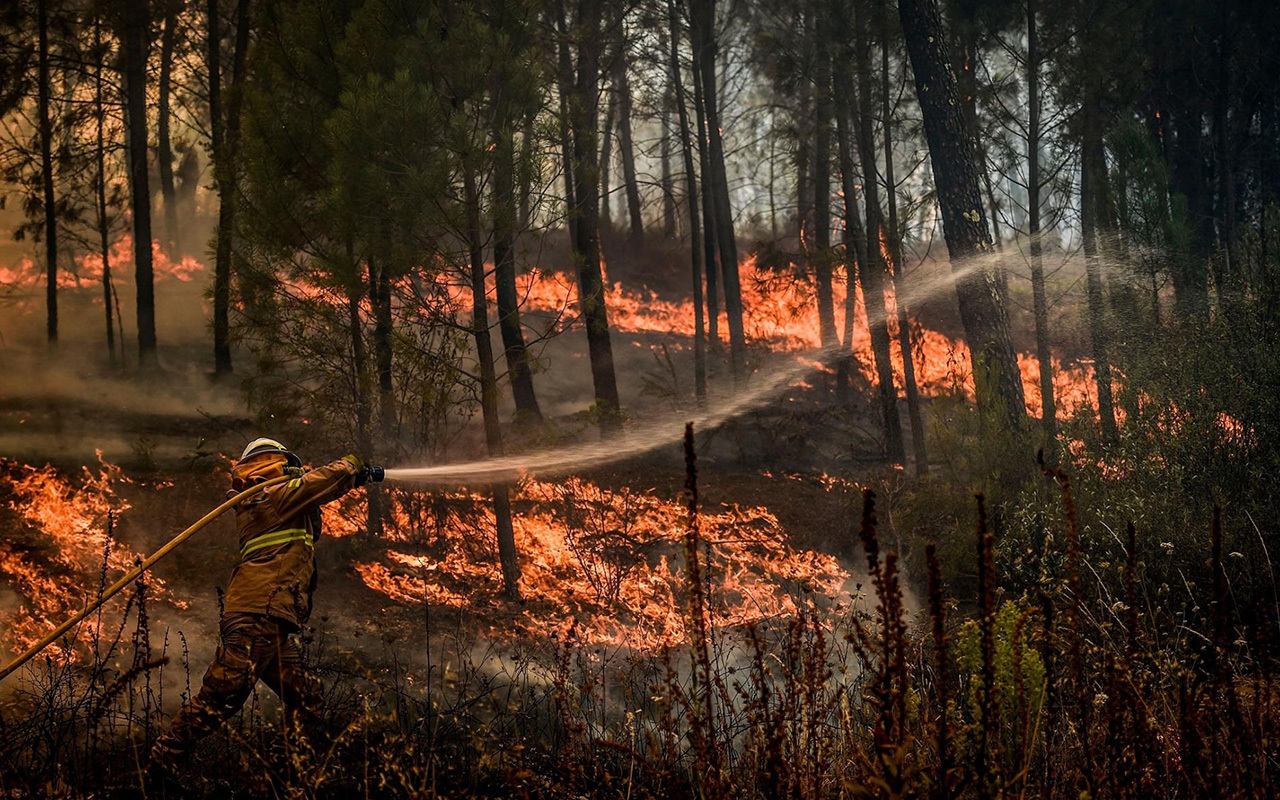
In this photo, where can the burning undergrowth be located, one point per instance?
(606, 563)
(59, 546)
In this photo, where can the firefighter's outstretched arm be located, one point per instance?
(322, 485)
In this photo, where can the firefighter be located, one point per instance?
(269, 596)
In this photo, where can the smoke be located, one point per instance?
(646, 438)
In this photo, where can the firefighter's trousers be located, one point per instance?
(254, 647)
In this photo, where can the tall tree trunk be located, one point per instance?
(586, 246)
(820, 256)
(1044, 353)
(995, 366)
(100, 165)
(360, 384)
(380, 303)
(872, 274)
(519, 369)
(507, 554)
(564, 77)
(966, 70)
(226, 165)
(606, 161)
(136, 27)
(46, 176)
(528, 144)
(804, 140)
(691, 192)
(668, 184)
(1190, 275)
(164, 147)
(1092, 154)
(708, 213)
(626, 144)
(855, 238)
(915, 413)
(704, 12)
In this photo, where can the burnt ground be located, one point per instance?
(779, 458)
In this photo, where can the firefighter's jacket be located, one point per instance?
(278, 528)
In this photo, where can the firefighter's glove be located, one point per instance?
(370, 473)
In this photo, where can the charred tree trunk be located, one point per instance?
(622, 85)
(584, 107)
(164, 147)
(361, 383)
(507, 554)
(704, 13)
(134, 39)
(820, 256)
(893, 236)
(873, 271)
(46, 175)
(708, 213)
(100, 166)
(1092, 155)
(519, 370)
(1044, 353)
(225, 167)
(691, 192)
(995, 366)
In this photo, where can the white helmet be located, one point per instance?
(265, 445)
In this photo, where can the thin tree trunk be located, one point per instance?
(705, 44)
(804, 143)
(508, 557)
(504, 267)
(380, 302)
(873, 273)
(855, 245)
(622, 84)
(46, 176)
(668, 185)
(100, 165)
(995, 366)
(1044, 353)
(1190, 276)
(364, 408)
(606, 162)
(527, 144)
(564, 70)
(820, 257)
(691, 192)
(134, 40)
(586, 198)
(1091, 153)
(915, 413)
(226, 166)
(708, 215)
(164, 148)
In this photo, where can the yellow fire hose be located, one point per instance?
(133, 574)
